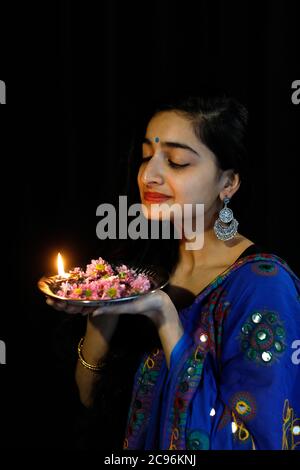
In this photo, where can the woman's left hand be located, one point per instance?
(154, 306)
(160, 308)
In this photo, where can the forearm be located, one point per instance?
(170, 330)
(95, 347)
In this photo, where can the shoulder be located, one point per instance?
(262, 284)
(262, 271)
(264, 309)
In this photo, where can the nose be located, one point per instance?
(152, 173)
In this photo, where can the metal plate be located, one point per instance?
(157, 276)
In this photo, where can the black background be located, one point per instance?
(77, 77)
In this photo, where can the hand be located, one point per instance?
(63, 306)
(105, 324)
(157, 306)
(153, 306)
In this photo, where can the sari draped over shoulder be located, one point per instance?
(234, 376)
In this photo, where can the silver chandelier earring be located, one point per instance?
(222, 231)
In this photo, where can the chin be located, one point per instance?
(156, 212)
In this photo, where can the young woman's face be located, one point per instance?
(177, 167)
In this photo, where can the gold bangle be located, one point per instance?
(83, 362)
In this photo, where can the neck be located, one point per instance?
(213, 253)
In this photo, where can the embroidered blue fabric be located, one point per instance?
(234, 377)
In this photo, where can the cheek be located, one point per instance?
(139, 177)
(188, 189)
(198, 189)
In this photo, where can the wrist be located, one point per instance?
(102, 325)
(170, 328)
(99, 331)
(93, 349)
(96, 367)
(167, 313)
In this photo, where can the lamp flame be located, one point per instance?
(60, 266)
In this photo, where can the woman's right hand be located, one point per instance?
(63, 306)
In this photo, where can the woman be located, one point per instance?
(222, 375)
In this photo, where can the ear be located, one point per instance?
(230, 184)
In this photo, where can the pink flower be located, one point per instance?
(101, 281)
(98, 268)
(141, 284)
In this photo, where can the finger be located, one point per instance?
(118, 309)
(87, 310)
(64, 306)
(98, 311)
(105, 310)
(57, 305)
(73, 309)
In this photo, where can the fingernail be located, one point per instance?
(49, 301)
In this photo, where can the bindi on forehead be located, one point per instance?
(149, 140)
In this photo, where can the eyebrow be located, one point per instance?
(178, 145)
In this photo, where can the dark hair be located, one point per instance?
(221, 123)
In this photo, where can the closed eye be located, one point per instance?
(176, 165)
(172, 164)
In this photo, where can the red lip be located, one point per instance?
(155, 197)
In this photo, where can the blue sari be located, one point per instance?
(234, 377)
